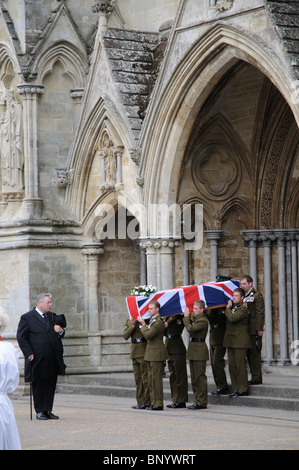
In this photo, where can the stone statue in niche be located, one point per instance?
(108, 155)
(61, 177)
(11, 145)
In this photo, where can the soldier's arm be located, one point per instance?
(259, 312)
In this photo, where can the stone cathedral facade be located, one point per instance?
(110, 108)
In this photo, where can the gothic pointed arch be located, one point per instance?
(11, 129)
(105, 212)
(8, 66)
(73, 59)
(277, 155)
(242, 208)
(99, 136)
(209, 212)
(81, 158)
(292, 207)
(177, 105)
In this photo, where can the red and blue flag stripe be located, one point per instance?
(174, 301)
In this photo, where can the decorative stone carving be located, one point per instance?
(159, 243)
(272, 170)
(216, 171)
(135, 155)
(12, 196)
(110, 162)
(62, 177)
(93, 250)
(12, 156)
(103, 7)
(272, 237)
(111, 156)
(140, 180)
(223, 5)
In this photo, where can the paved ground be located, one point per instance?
(89, 422)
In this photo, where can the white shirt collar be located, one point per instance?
(38, 311)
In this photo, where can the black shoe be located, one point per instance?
(139, 407)
(154, 408)
(41, 415)
(220, 391)
(238, 394)
(195, 406)
(50, 415)
(255, 382)
(177, 405)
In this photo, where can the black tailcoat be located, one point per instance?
(36, 336)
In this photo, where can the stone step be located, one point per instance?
(281, 393)
(258, 401)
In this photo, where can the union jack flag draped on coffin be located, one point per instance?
(173, 301)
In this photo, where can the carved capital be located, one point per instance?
(12, 196)
(118, 150)
(93, 250)
(158, 243)
(213, 235)
(281, 238)
(30, 89)
(103, 7)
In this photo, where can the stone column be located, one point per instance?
(251, 237)
(104, 8)
(253, 259)
(294, 255)
(118, 152)
(186, 267)
(77, 95)
(268, 298)
(283, 327)
(213, 236)
(103, 170)
(151, 262)
(142, 264)
(92, 252)
(160, 268)
(32, 202)
(167, 263)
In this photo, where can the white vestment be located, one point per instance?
(9, 379)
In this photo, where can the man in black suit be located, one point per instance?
(39, 336)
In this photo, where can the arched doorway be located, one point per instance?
(230, 142)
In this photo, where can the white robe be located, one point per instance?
(9, 379)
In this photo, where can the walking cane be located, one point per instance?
(30, 389)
